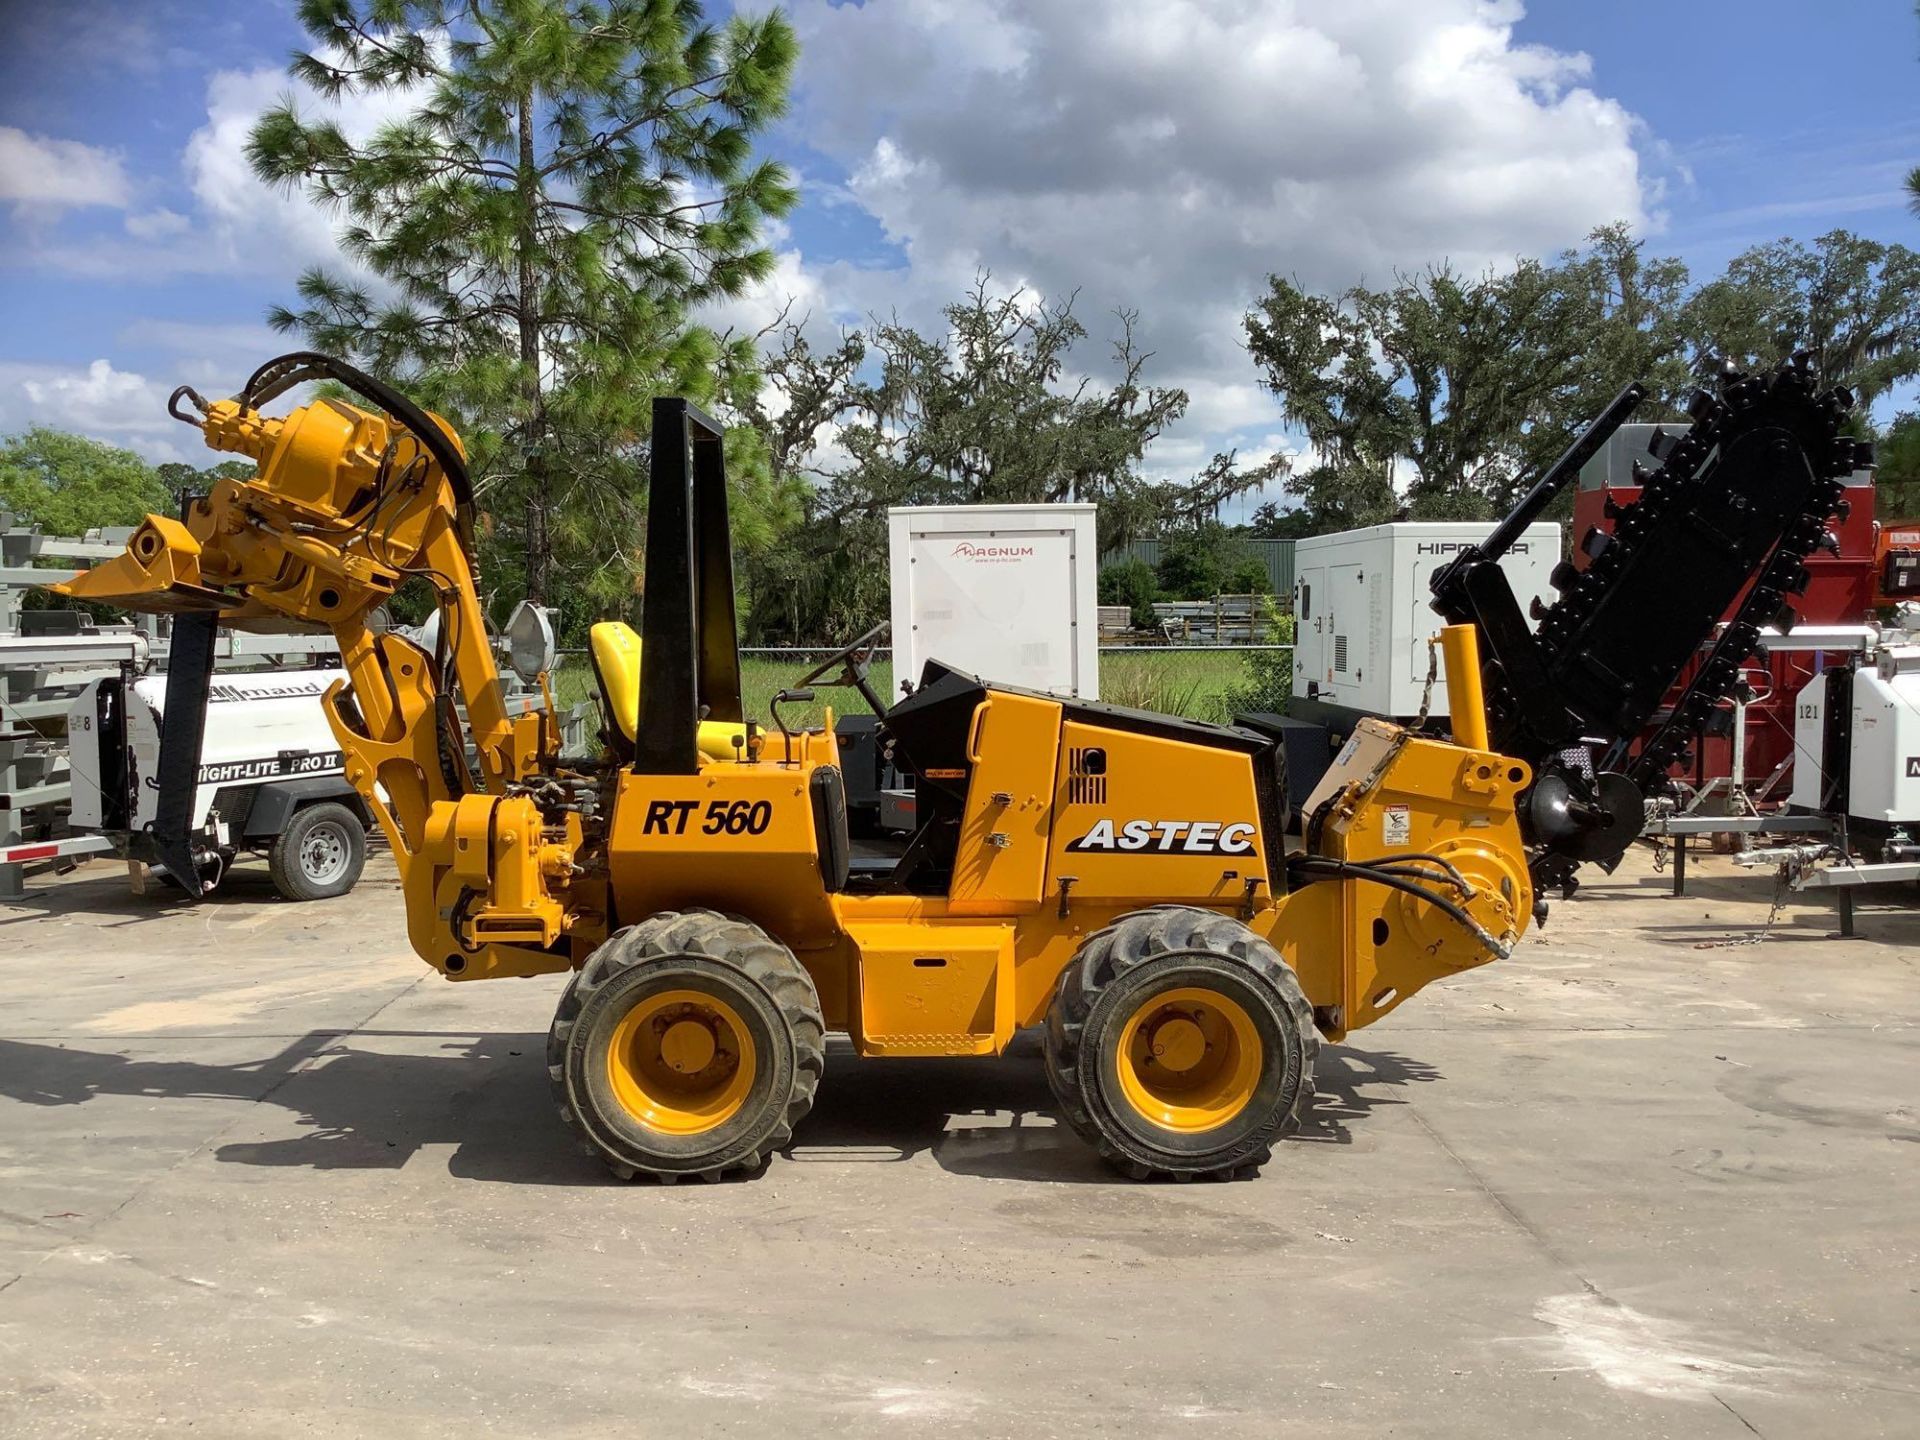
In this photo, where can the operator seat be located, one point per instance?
(614, 649)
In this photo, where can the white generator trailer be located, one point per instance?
(270, 777)
(1362, 617)
(1362, 614)
(1007, 592)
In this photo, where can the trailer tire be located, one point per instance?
(320, 854)
(1180, 1043)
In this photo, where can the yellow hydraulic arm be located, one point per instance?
(348, 504)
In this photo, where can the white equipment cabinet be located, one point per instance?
(1005, 592)
(1877, 780)
(1362, 612)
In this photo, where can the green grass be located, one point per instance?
(1172, 682)
(1178, 682)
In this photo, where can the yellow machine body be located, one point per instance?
(1124, 879)
(1049, 847)
(959, 974)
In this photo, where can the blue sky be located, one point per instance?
(1165, 159)
(1775, 118)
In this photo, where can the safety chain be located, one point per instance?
(1781, 884)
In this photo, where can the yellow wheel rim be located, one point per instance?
(1189, 1060)
(681, 1062)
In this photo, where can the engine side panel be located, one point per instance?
(1000, 861)
(1153, 820)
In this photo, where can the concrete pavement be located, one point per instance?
(261, 1172)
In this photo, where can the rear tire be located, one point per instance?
(1180, 1043)
(320, 854)
(689, 1044)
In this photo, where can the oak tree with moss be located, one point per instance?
(995, 407)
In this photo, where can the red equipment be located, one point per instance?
(1843, 588)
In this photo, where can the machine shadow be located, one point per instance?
(105, 899)
(359, 1106)
(997, 1119)
(364, 1105)
(102, 896)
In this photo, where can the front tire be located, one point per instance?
(320, 854)
(689, 1044)
(1180, 1043)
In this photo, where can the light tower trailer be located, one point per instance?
(270, 777)
(1856, 773)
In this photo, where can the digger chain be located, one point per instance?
(1782, 401)
(1782, 398)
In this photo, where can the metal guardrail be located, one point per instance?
(35, 651)
(1155, 647)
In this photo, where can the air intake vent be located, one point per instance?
(1087, 776)
(1340, 653)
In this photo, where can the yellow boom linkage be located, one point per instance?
(346, 506)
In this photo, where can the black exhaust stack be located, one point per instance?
(690, 642)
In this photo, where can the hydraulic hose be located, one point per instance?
(1399, 880)
(1417, 857)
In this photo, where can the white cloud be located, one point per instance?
(254, 224)
(96, 395)
(58, 174)
(250, 222)
(236, 224)
(792, 292)
(118, 406)
(1172, 155)
(157, 224)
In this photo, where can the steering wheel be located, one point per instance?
(852, 665)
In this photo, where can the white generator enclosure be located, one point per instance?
(1879, 775)
(1005, 592)
(1362, 609)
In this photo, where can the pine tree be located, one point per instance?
(574, 180)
